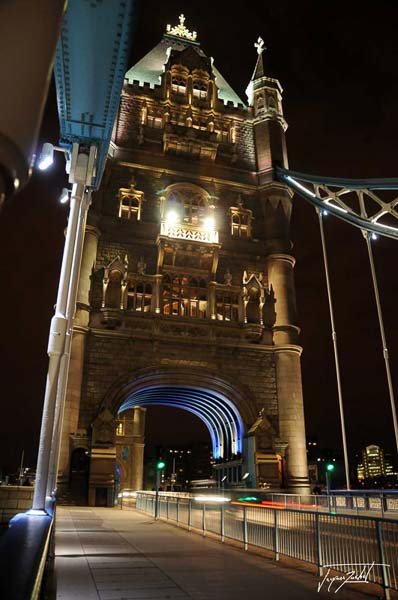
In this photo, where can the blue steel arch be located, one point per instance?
(220, 415)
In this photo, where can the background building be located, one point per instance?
(375, 468)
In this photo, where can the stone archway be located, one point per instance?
(227, 409)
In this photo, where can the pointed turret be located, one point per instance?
(259, 70)
(265, 97)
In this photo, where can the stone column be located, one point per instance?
(288, 371)
(137, 465)
(280, 276)
(291, 416)
(80, 330)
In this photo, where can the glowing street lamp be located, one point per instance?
(46, 157)
(160, 465)
(64, 197)
(329, 471)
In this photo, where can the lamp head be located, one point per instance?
(46, 157)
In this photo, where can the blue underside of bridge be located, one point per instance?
(90, 66)
(220, 416)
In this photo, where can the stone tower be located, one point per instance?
(186, 294)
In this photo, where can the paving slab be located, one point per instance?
(109, 554)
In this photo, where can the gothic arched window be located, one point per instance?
(130, 204)
(241, 222)
(184, 296)
(178, 84)
(139, 296)
(187, 203)
(200, 89)
(227, 306)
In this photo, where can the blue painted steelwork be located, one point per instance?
(219, 415)
(332, 199)
(90, 66)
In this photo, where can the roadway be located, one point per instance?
(109, 554)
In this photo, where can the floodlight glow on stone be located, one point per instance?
(172, 217)
(209, 224)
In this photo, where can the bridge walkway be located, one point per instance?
(109, 554)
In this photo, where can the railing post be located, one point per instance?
(167, 508)
(276, 535)
(189, 514)
(222, 528)
(318, 544)
(384, 567)
(204, 520)
(245, 527)
(178, 510)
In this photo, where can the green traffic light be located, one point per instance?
(160, 465)
(330, 467)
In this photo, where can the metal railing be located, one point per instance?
(335, 542)
(374, 502)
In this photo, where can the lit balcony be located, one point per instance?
(182, 231)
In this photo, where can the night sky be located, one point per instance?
(337, 63)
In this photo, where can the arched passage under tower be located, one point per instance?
(224, 409)
(220, 416)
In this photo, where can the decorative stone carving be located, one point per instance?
(141, 266)
(104, 429)
(228, 277)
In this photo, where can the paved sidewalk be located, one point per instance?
(109, 554)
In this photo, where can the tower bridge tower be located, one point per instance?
(186, 295)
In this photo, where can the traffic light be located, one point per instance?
(330, 467)
(160, 465)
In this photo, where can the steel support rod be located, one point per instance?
(335, 348)
(65, 358)
(56, 346)
(383, 335)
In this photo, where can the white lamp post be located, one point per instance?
(82, 168)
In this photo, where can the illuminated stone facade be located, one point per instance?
(186, 286)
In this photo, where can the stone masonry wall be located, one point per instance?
(111, 356)
(13, 500)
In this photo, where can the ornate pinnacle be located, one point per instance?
(181, 31)
(260, 45)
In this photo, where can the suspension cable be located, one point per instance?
(382, 334)
(335, 348)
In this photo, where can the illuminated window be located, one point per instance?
(189, 203)
(241, 221)
(120, 428)
(184, 296)
(139, 297)
(227, 306)
(154, 122)
(223, 134)
(130, 204)
(178, 84)
(200, 89)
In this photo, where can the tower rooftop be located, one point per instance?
(149, 69)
